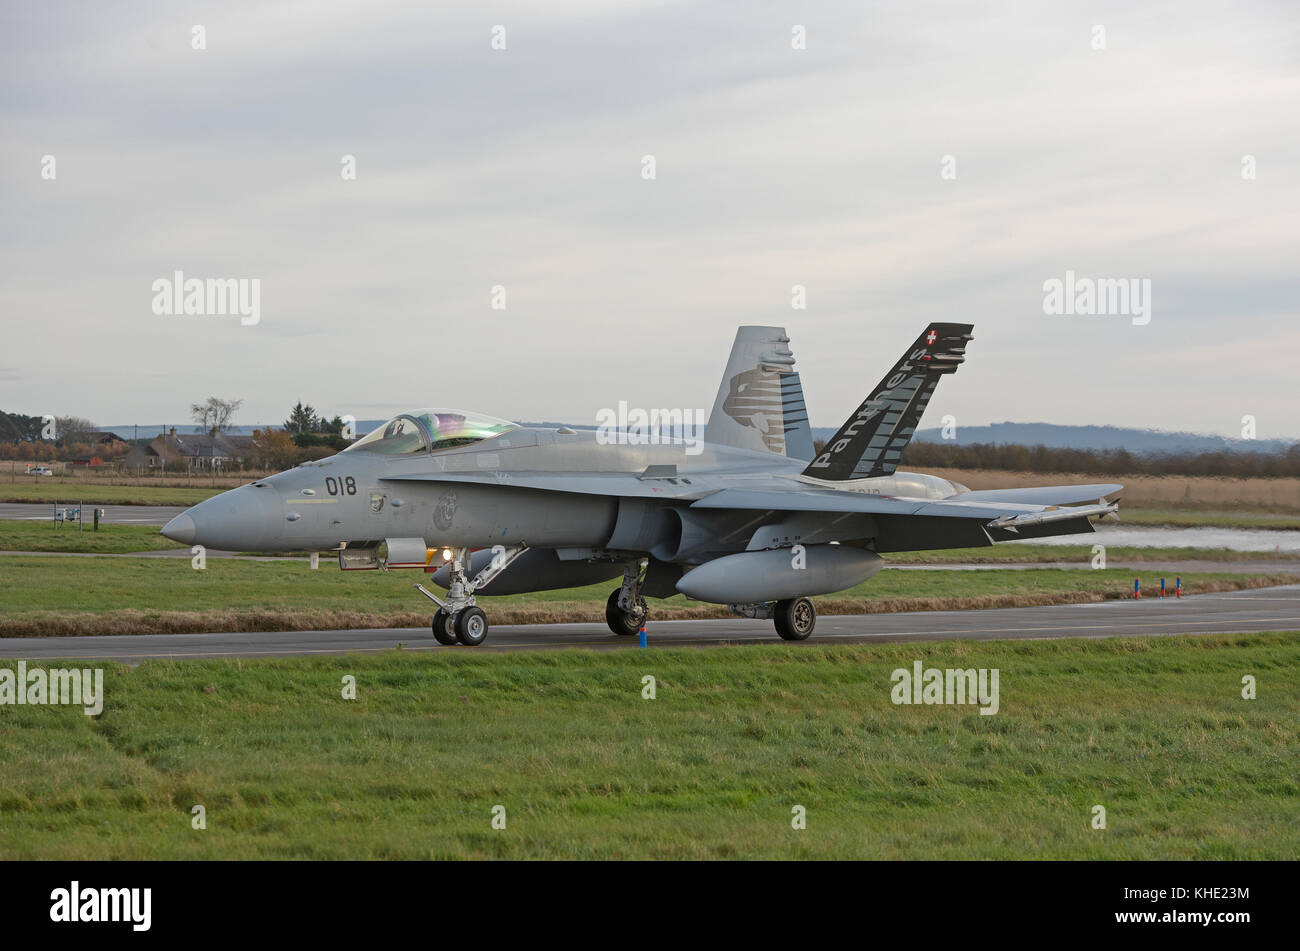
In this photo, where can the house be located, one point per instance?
(210, 450)
(141, 457)
(97, 440)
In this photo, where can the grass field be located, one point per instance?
(1190, 518)
(25, 535)
(1155, 730)
(53, 595)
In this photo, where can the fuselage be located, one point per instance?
(597, 495)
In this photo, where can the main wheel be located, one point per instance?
(442, 631)
(471, 627)
(795, 619)
(625, 623)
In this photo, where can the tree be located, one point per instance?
(302, 419)
(16, 427)
(214, 414)
(274, 449)
(70, 428)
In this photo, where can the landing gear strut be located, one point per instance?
(626, 610)
(457, 619)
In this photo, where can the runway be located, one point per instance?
(1263, 609)
(113, 514)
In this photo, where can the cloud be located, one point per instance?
(522, 168)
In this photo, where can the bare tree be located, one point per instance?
(214, 414)
(69, 427)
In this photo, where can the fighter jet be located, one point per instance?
(750, 516)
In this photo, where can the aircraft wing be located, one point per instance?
(831, 501)
(915, 524)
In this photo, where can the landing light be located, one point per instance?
(446, 554)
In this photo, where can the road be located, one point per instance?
(1263, 609)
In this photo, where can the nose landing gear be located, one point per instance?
(458, 620)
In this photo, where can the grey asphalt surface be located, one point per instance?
(1263, 609)
(113, 514)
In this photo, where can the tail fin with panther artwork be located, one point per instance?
(760, 403)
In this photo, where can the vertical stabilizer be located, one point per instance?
(760, 403)
(872, 440)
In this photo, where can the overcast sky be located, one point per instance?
(775, 167)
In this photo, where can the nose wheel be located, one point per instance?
(468, 627)
(471, 626)
(443, 632)
(457, 620)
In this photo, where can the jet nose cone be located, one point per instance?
(180, 529)
(239, 520)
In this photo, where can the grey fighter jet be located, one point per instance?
(749, 516)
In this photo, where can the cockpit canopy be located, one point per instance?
(429, 430)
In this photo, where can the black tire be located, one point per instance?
(795, 619)
(442, 633)
(621, 622)
(471, 627)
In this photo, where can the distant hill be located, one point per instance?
(1137, 441)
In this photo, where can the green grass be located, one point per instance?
(52, 489)
(1184, 518)
(53, 595)
(1155, 730)
(24, 535)
(54, 584)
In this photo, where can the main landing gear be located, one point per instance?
(458, 620)
(626, 610)
(794, 618)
